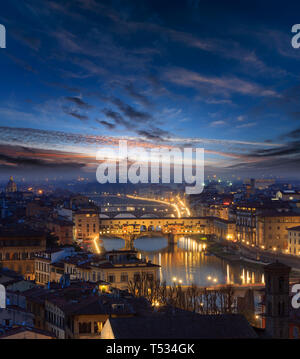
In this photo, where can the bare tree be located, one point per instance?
(196, 299)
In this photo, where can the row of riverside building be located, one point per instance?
(265, 224)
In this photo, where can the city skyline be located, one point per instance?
(84, 74)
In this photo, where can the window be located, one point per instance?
(136, 277)
(111, 278)
(124, 277)
(269, 308)
(281, 284)
(150, 276)
(84, 328)
(280, 308)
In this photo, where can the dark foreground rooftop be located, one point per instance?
(225, 326)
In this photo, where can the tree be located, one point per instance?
(196, 299)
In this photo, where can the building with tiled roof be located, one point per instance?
(18, 246)
(45, 264)
(80, 311)
(24, 332)
(115, 267)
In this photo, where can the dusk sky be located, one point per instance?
(80, 74)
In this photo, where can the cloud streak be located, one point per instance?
(223, 85)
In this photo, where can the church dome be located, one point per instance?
(11, 185)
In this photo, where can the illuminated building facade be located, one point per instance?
(272, 229)
(224, 229)
(246, 220)
(264, 227)
(18, 247)
(86, 224)
(294, 241)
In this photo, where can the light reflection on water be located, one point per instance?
(188, 262)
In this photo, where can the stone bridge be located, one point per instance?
(132, 227)
(171, 228)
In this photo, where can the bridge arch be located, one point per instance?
(15, 256)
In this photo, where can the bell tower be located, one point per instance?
(277, 299)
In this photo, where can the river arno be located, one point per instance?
(188, 262)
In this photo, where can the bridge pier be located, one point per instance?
(129, 241)
(129, 244)
(173, 239)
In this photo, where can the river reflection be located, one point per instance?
(188, 262)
